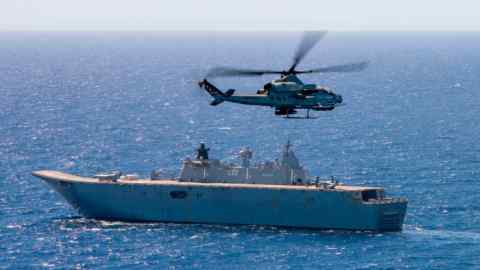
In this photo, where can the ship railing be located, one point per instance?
(387, 200)
(325, 183)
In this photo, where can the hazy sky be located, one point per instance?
(239, 15)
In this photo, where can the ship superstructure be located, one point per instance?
(283, 171)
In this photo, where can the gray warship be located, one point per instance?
(271, 193)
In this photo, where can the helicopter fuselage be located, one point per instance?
(285, 100)
(285, 94)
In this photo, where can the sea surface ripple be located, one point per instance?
(87, 102)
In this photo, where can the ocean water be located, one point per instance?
(86, 102)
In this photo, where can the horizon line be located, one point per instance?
(239, 30)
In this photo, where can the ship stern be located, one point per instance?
(391, 214)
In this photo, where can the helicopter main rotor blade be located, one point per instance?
(352, 67)
(228, 71)
(309, 40)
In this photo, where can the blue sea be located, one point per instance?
(91, 101)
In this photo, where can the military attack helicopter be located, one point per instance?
(288, 93)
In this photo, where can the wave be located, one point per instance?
(446, 234)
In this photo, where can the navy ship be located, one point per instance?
(271, 193)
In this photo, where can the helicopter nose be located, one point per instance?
(339, 99)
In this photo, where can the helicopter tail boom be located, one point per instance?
(218, 95)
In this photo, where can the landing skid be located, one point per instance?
(287, 116)
(299, 117)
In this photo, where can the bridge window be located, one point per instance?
(369, 194)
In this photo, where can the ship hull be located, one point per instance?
(171, 201)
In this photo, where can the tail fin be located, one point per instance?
(215, 92)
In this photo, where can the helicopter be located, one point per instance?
(288, 94)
